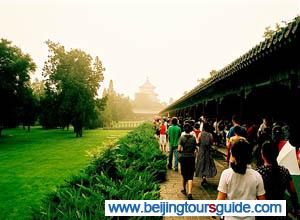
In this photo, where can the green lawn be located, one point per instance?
(32, 164)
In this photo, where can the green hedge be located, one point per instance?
(130, 170)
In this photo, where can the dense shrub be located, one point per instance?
(130, 170)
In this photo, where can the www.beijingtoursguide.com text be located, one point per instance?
(195, 207)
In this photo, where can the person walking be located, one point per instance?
(197, 131)
(277, 137)
(240, 181)
(205, 166)
(187, 147)
(238, 135)
(265, 124)
(174, 133)
(163, 137)
(235, 122)
(277, 179)
(157, 127)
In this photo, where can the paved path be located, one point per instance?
(170, 189)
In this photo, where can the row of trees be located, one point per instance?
(118, 107)
(16, 95)
(68, 95)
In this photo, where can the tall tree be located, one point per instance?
(15, 67)
(29, 109)
(118, 107)
(74, 79)
(49, 105)
(96, 121)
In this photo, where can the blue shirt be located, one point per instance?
(230, 133)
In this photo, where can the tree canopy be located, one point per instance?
(72, 81)
(16, 95)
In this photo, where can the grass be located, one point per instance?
(128, 170)
(33, 164)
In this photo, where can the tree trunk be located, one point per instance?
(80, 132)
(28, 128)
(0, 132)
(75, 130)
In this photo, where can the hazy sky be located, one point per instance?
(173, 42)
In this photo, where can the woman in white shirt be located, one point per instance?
(240, 182)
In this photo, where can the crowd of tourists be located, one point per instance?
(191, 141)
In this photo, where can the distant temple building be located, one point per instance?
(146, 101)
(147, 89)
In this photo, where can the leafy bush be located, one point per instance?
(130, 170)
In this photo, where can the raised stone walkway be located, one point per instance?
(170, 189)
